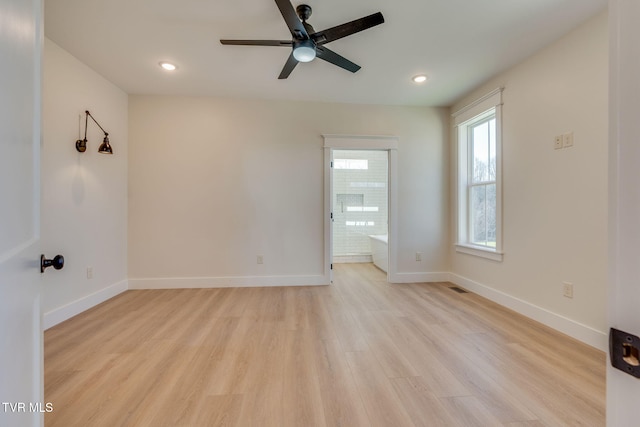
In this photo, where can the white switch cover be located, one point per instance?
(567, 289)
(567, 140)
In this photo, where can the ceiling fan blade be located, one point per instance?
(288, 67)
(340, 31)
(291, 18)
(287, 43)
(335, 59)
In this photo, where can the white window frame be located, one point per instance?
(467, 116)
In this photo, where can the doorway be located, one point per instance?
(386, 144)
(360, 196)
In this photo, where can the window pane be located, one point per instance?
(351, 164)
(483, 215)
(362, 209)
(492, 149)
(478, 214)
(480, 152)
(491, 215)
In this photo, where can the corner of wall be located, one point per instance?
(584, 333)
(60, 314)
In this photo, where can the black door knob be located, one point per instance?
(57, 262)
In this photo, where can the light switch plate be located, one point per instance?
(567, 140)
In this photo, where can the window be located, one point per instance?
(482, 185)
(351, 164)
(362, 209)
(479, 196)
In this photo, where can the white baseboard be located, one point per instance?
(567, 326)
(418, 277)
(59, 315)
(584, 333)
(227, 282)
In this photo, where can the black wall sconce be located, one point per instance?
(81, 144)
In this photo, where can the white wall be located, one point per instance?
(554, 201)
(215, 182)
(84, 195)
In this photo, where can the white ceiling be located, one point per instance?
(457, 43)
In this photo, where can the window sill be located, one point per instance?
(479, 252)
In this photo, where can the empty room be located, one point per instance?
(276, 213)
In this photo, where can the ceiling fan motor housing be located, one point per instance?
(303, 11)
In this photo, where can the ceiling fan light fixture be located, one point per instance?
(304, 51)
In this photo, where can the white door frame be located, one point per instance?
(623, 390)
(361, 142)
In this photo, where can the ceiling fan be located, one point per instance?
(308, 44)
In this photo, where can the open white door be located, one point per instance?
(21, 377)
(623, 389)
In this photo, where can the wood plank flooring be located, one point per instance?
(361, 352)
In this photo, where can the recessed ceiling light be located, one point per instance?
(168, 66)
(420, 78)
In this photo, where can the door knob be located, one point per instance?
(57, 262)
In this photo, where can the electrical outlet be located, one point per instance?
(567, 289)
(89, 272)
(418, 256)
(567, 140)
(260, 259)
(557, 142)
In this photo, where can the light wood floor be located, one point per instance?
(358, 353)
